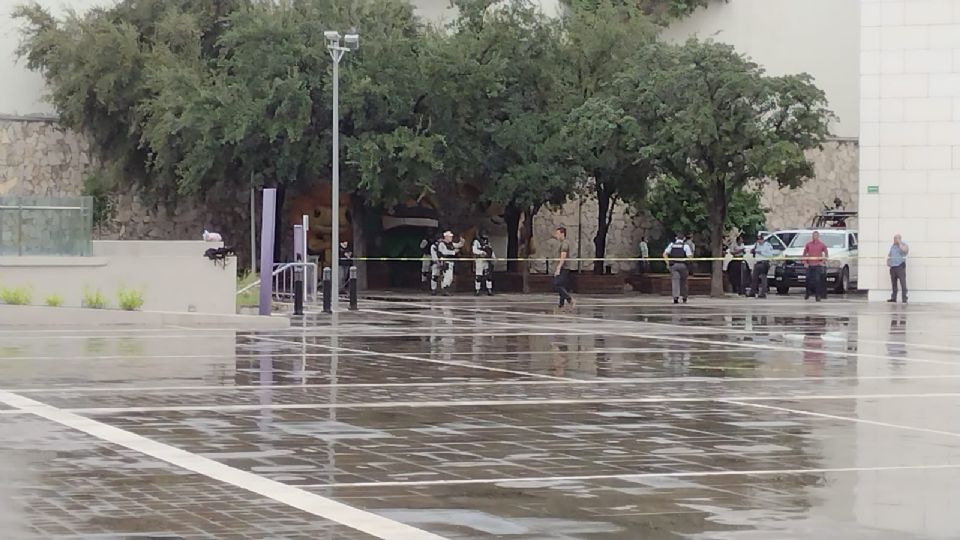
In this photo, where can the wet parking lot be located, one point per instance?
(463, 418)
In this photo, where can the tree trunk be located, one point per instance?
(524, 266)
(358, 211)
(716, 219)
(605, 205)
(512, 216)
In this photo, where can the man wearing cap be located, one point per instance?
(762, 252)
(483, 263)
(446, 251)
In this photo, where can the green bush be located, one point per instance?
(130, 299)
(54, 300)
(93, 299)
(16, 296)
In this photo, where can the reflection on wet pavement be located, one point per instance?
(463, 419)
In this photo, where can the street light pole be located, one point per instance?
(336, 53)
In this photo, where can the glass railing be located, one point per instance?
(50, 226)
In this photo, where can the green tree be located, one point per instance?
(493, 97)
(721, 125)
(600, 135)
(679, 211)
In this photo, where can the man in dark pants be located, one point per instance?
(561, 275)
(735, 271)
(675, 255)
(762, 252)
(815, 255)
(345, 260)
(897, 261)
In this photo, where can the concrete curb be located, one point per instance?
(42, 316)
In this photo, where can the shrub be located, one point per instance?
(16, 296)
(54, 300)
(130, 299)
(93, 299)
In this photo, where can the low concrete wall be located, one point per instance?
(174, 276)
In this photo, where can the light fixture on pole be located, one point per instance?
(351, 42)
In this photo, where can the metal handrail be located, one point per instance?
(257, 283)
(284, 278)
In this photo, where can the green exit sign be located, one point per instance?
(873, 189)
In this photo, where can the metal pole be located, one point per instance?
(20, 229)
(353, 288)
(305, 222)
(335, 182)
(327, 290)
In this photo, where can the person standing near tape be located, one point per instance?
(676, 255)
(426, 259)
(897, 261)
(446, 251)
(561, 275)
(815, 255)
(762, 252)
(483, 263)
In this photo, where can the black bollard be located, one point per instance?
(298, 290)
(353, 288)
(327, 290)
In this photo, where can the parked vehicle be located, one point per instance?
(779, 240)
(842, 266)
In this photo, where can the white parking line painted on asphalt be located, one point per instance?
(361, 520)
(678, 339)
(427, 360)
(520, 482)
(493, 403)
(746, 403)
(612, 381)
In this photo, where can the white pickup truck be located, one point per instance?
(842, 264)
(779, 240)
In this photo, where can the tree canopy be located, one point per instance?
(199, 96)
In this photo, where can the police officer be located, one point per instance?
(426, 260)
(675, 255)
(483, 264)
(762, 251)
(443, 255)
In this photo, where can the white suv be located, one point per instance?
(779, 240)
(842, 265)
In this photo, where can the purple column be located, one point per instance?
(267, 235)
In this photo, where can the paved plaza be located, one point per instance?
(492, 418)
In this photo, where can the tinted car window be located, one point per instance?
(853, 241)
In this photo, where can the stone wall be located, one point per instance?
(37, 157)
(837, 168)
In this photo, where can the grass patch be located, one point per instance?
(130, 299)
(16, 296)
(54, 300)
(251, 297)
(93, 299)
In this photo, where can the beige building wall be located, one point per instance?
(819, 37)
(910, 144)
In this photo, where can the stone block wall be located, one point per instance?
(37, 157)
(837, 169)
